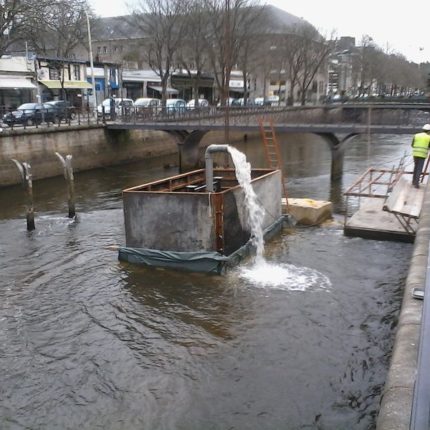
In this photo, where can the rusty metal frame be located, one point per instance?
(217, 200)
(362, 187)
(177, 183)
(405, 222)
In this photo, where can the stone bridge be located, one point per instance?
(336, 124)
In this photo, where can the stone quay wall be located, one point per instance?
(91, 147)
(398, 394)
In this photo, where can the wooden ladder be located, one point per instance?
(272, 151)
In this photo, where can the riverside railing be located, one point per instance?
(413, 115)
(67, 117)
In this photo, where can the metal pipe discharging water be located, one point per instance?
(209, 165)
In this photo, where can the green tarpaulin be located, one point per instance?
(200, 261)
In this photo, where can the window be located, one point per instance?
(53, 74)
(104, 49)
(112, 75)
(76, 72)
(99, 49)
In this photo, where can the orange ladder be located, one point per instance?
(272, 151)
(425, 170)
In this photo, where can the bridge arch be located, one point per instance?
(190, 159)
(188, 147)
(337, 147)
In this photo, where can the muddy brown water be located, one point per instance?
(89, 342)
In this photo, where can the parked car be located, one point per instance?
(202, 104)
(123, 106)
(147, 102)
(272, 101)
(261, 101)
(30, 114)
(64, 109)
(229, 102)
(241, 102)
(176, 106)
(146, 106)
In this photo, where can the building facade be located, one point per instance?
(17, 82)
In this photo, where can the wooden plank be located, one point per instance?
(405, 199)
(372, 222)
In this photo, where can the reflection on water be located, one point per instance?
(90, 342)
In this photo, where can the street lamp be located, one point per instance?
(93, 82)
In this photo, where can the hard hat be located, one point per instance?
(426, 127)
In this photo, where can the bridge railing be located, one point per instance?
(358, 114)
(150, 114)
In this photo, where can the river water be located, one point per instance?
(88, 342)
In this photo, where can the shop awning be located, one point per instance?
(169, 90)
(68, 85)
(16, 83)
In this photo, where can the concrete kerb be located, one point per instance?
(397, 396)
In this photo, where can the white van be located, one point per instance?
(202, 103)
(147, 106)
(175, 106)
(147, 102)
(123, 106)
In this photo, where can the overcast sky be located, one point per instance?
(393, 26)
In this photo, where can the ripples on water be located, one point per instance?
(89, 342)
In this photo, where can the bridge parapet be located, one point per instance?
(357, 114)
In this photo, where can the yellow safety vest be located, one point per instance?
(420, 145)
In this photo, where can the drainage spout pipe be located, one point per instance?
(209, 166)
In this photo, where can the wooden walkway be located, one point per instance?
(393, 218)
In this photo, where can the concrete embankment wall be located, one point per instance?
(91, 147)
(397, 396)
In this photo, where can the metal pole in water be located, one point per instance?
(68, 175)
(369, 123)
(27, 180)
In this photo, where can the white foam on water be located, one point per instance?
(284, 277)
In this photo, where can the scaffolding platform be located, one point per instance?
(388, 205)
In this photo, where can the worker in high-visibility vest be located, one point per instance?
(420, 149)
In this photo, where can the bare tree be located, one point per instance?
(365, 65)
(14, 17)
(224, 42)
(266, 58)
(306, 53)
(162, 23)
(192, 53)
(229, 29)
(294, 58)
(56, 28)
(252, 32)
